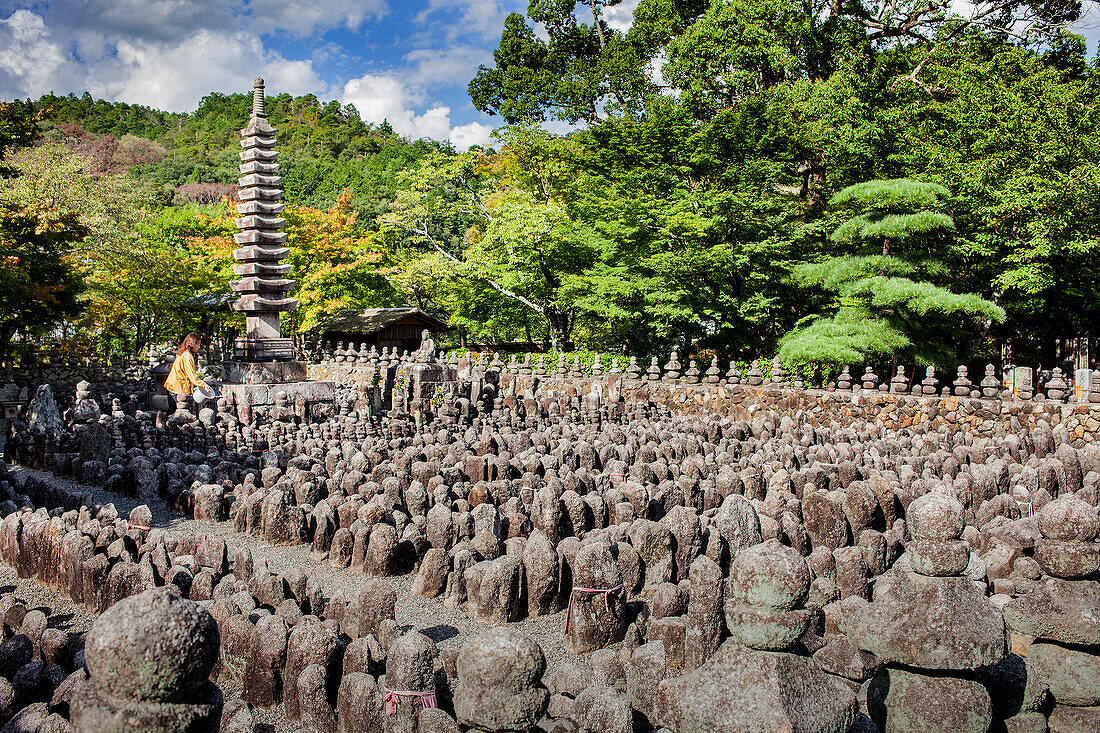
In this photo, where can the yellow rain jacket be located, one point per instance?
(184, 377)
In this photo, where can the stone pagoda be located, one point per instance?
(264, 361)
(262, 287)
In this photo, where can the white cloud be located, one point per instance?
(134, 64)
(656, 69)
(384, 97)
(176, 76)
(1089, 26)
(380, 97)
(561, 127)
(161, 20)
(464, 137)
(169, 54)
(620, 16)
(304, 17)
(483, 19)
(435, 123)
(29, 59)
(449, 66)
(165, 20)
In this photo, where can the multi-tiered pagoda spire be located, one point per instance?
(262, 287)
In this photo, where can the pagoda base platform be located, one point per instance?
(260, 382)
(264, 349)
(264, 372)
(320, 397)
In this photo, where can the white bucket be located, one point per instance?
(202, 395)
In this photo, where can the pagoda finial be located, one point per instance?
(258, 98)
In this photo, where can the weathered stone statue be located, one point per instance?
(926, 685)
(1063, 613)
(759, 679)
(426, 352)
(149, 660)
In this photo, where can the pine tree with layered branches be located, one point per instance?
(888, 291)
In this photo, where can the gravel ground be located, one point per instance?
(62, 613)
(446, 626)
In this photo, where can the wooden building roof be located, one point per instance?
(372, 320)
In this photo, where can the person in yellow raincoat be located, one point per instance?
(184, 377)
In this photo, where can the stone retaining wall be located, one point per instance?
(980, 415)
(69, 374)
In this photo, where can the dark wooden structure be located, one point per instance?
(382, 328)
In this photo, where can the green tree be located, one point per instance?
(883, 301)
(499, 223)
(1017, 138)
(438, 203)
(583, 67)
(740, 48)
(17, 128)
(717, 53)
(714, 135)
(136, 280)
(336, 263)
(146, 293)
(39, 285)
(698, 233)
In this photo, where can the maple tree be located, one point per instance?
(335, 263)
(39, 285)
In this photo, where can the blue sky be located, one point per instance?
(407, 61)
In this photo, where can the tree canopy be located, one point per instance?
(839, 182)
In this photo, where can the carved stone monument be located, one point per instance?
(264, 362)
(1082, 382)
(262, 287)
(1023, 383)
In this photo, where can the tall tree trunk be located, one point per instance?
(557, 328)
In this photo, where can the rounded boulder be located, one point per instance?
(500, 682)
(1069, 519)
(771, 575)
(936, 517)
(154, 646)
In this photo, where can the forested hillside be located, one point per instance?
(324, 148)
(835, 183)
